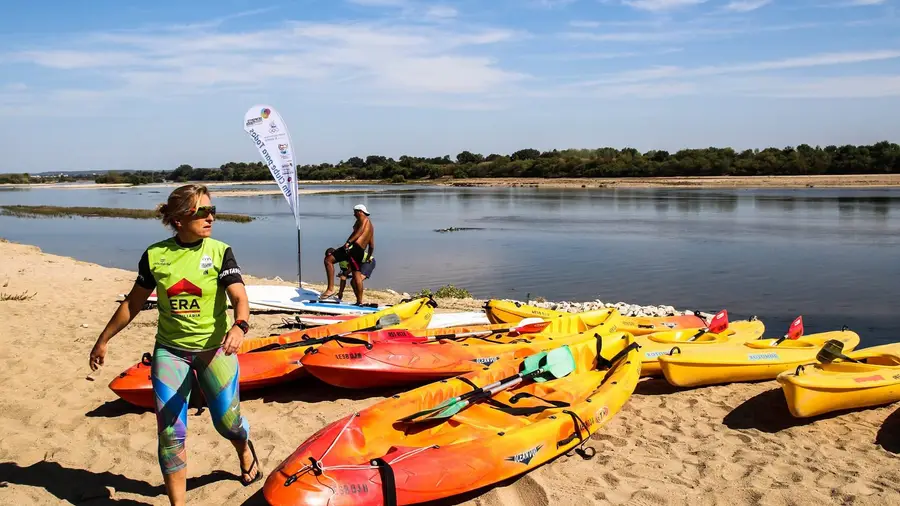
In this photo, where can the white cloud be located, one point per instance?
(673, 72)
(746, 5)
(441, 12)
(389, 57)
(661, 5)
(664, 34)
(551, 4)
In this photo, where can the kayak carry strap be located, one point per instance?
(581, 449)
(602, 363)
(340, 339)
(467, 381)
(388, 486)
(506, 408)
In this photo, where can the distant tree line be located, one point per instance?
(880, 158)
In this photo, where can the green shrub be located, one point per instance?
(445, 292)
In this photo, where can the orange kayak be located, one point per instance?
(389, 363)
(264, 362)
(373, 458)
(504, 311)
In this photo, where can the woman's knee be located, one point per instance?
(233, 426)
(172, 455)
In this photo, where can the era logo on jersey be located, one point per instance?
(181, 304)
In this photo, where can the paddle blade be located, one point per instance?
(425, 412)
(719, 322)
(532, 363)
(833, 349)
(559, 363)
(529, 326)
(388, 320)
(796, 329)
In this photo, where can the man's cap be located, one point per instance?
(360, 207)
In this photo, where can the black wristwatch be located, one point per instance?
(243, 325)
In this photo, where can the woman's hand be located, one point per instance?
(98, 354)
(233, 340)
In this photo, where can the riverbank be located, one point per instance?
(848, 181)
(68, 439)
(839, 181)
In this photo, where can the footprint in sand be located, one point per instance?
(524, 492)
(646, 498)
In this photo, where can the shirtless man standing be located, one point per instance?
(353, 251)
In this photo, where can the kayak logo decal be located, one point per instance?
(526, 456)
(485, 360)
(348, 356)
(654, 354)
(865, 379)
(763, 356)
(601, 414)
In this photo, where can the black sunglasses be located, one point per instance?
(204, 211)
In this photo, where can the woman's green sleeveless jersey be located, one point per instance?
(190, 281)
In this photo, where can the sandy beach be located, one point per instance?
(70, 440)
(844, 181)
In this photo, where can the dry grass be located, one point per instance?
(16, 297)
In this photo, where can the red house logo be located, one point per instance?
(184, 287)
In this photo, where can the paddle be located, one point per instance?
(387, 320)
(833, 349)
(526, 326)
(558, 362)
(794, 331)
(717, 325)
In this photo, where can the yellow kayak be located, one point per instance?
(814, 389)
(753, 361)
(504, 311)
(660, 343)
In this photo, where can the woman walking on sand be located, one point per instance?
(192, 274)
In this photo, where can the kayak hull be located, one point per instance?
(479, 446)
(815, 389)
(390, 363)
(503, 311)
(753, 361)
(661, 343)
(260, 369)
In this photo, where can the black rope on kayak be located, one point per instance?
(388, 485)
(580, 449)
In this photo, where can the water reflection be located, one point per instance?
(827, 253)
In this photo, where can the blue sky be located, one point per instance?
(119, 85)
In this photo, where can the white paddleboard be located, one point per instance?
(291, 298)
(439, 320)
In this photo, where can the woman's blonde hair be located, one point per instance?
(180, 202)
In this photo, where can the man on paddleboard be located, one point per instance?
(358, 252)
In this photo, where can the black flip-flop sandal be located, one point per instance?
(255, 462)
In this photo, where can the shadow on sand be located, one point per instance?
(79, 486)
(769, 412)
(888, 436)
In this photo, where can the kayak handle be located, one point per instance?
(799, 369)
(147, 359)
(672, 351)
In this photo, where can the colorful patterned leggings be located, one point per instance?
(217, 375)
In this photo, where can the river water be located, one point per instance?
(830, 255)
